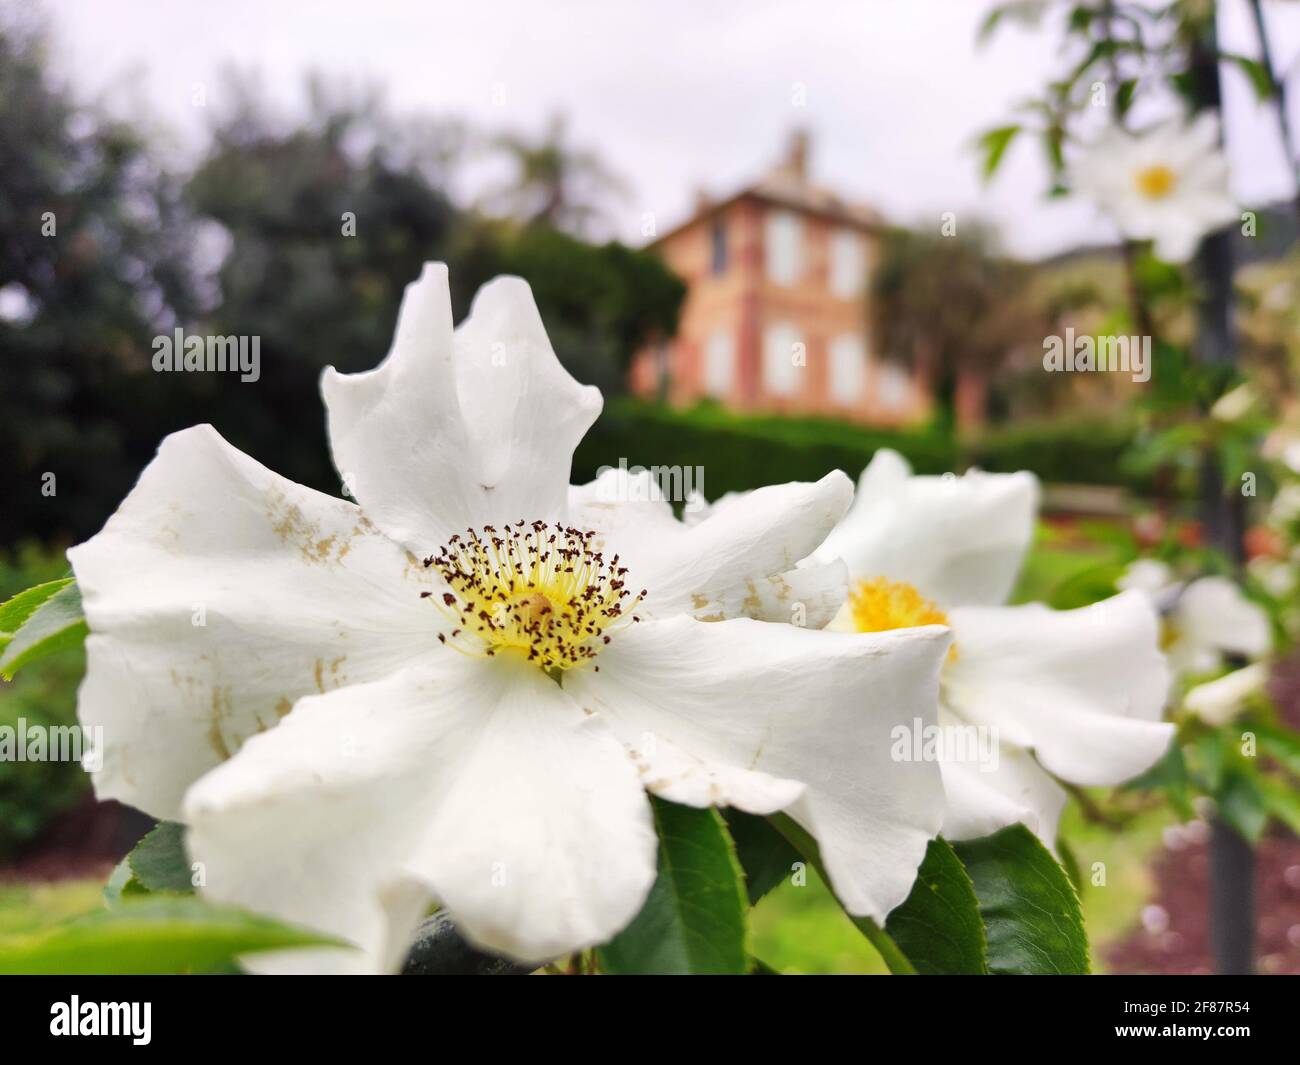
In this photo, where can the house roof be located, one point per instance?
(787, 185)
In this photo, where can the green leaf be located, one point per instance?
(14, 612)
(993, 146)
(1280, 744)
(121, 884)
(159, 861)
(1256, 73)
(1282, 801)
(54, 625)
(766, 856)
(1212, 755)
(157, 935)
(694, 919)
(1241, 803)
(1170, 776)
(1070, 864)
(939, 926)
(1124, 95)
(1031, 913)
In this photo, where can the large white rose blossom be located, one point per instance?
(1069, 694)
(459, 689)
(1168, 184)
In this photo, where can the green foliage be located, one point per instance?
(993, 146)
(1080, 451)
(320, 225)
(43, 695)
(150, 936)
(1031, 912)
(96, 287)
(694, 919)
(740, 452)
(159, 861)
(33, 793)
(766, 856)
(939, 926)
(600, 303)
(14, 612)
(57, 624)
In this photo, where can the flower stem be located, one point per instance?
(894, 959)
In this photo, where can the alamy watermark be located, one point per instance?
(664, 484)
(975, 745)
(212, 354)
(53, 743)
(1090, 354)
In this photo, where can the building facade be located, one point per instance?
(776, 317)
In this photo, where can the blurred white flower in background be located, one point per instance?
(1168, 185)
(1204, 620)
(1069, 694)
(1218, 701)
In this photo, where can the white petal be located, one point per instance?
(1147, 575)
(1177, 243)
(477, 782)
(450, 432)
(738, 561)
(1213, 614)
(1219, 701)
(743, 713)
(984, 800)
(1083, 688)
(217, 595)
(958, 540)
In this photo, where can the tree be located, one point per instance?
(324, 223)
(554, 183)
(94, 262)
(949, 306)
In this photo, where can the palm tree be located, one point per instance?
(555, 183)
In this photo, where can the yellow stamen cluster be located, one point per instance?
(537, 589)
(1155, 182)
(879, 604)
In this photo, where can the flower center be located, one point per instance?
(879, 604)
(1155, 182)
(538, 590)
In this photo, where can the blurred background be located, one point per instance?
(689, 189)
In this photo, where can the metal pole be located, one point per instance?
(1232, 860)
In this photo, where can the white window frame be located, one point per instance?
(848, 264)
(719, 363)
(783, 240)
(848, 368)
(780, 374)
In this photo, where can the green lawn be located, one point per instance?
(30, 905)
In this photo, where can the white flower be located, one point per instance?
(1277, 576)
(1168, 185)
(1073, 694)
(443, 693)
(1204, 619)
(1234, 405)
(1218, 701)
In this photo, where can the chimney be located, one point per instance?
(796, 158)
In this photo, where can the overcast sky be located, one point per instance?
(675, 94)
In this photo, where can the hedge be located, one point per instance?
(740, 452)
